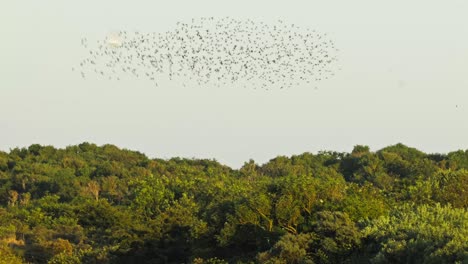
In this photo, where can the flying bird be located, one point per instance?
(218, 51)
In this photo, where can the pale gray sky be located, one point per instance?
(404, 72)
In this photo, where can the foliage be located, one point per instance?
(423, 234)
(102, 204)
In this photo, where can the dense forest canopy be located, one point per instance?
(101, 204)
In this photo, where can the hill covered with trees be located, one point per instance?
(101, 204)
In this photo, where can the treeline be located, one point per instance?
(102, 204)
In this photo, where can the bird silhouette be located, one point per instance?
(219, 51)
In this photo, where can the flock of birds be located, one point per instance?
(217, 51)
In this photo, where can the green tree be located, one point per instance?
(419, 234)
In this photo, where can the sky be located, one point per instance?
(403, 78)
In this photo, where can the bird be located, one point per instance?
(219, 51)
